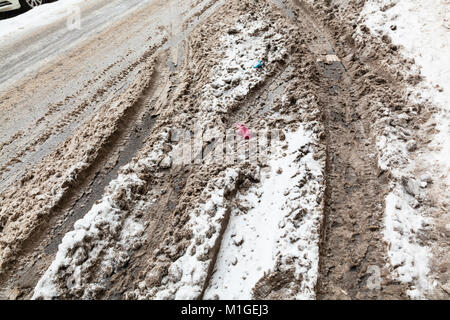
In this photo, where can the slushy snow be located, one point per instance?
(281, 224)
(423, 34)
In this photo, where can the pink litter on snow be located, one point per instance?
(243, 131)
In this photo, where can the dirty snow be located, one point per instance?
(187, 275)
(407, 256)
(105, 236)
(247, 42)
(422, 30)
(93, 239)
(233, 77)
(280, 222)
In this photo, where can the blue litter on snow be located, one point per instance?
(259, 65)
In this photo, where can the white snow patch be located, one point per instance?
(269, 233)
(408, 257)
(421, 29)
(392, 152)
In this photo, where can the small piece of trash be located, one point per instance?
(446, 23)
(258, 65)
(243, 131)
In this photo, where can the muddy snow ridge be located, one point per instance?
(45, 186)
(271, 242)
(101, 241)
(247, 42)
(419, 30)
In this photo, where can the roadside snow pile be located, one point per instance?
(42, 15)
(274, 229)
(422, 31)
(103, 240)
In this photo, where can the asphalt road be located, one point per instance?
(51, 76)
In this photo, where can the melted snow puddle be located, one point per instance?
(264, 236)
